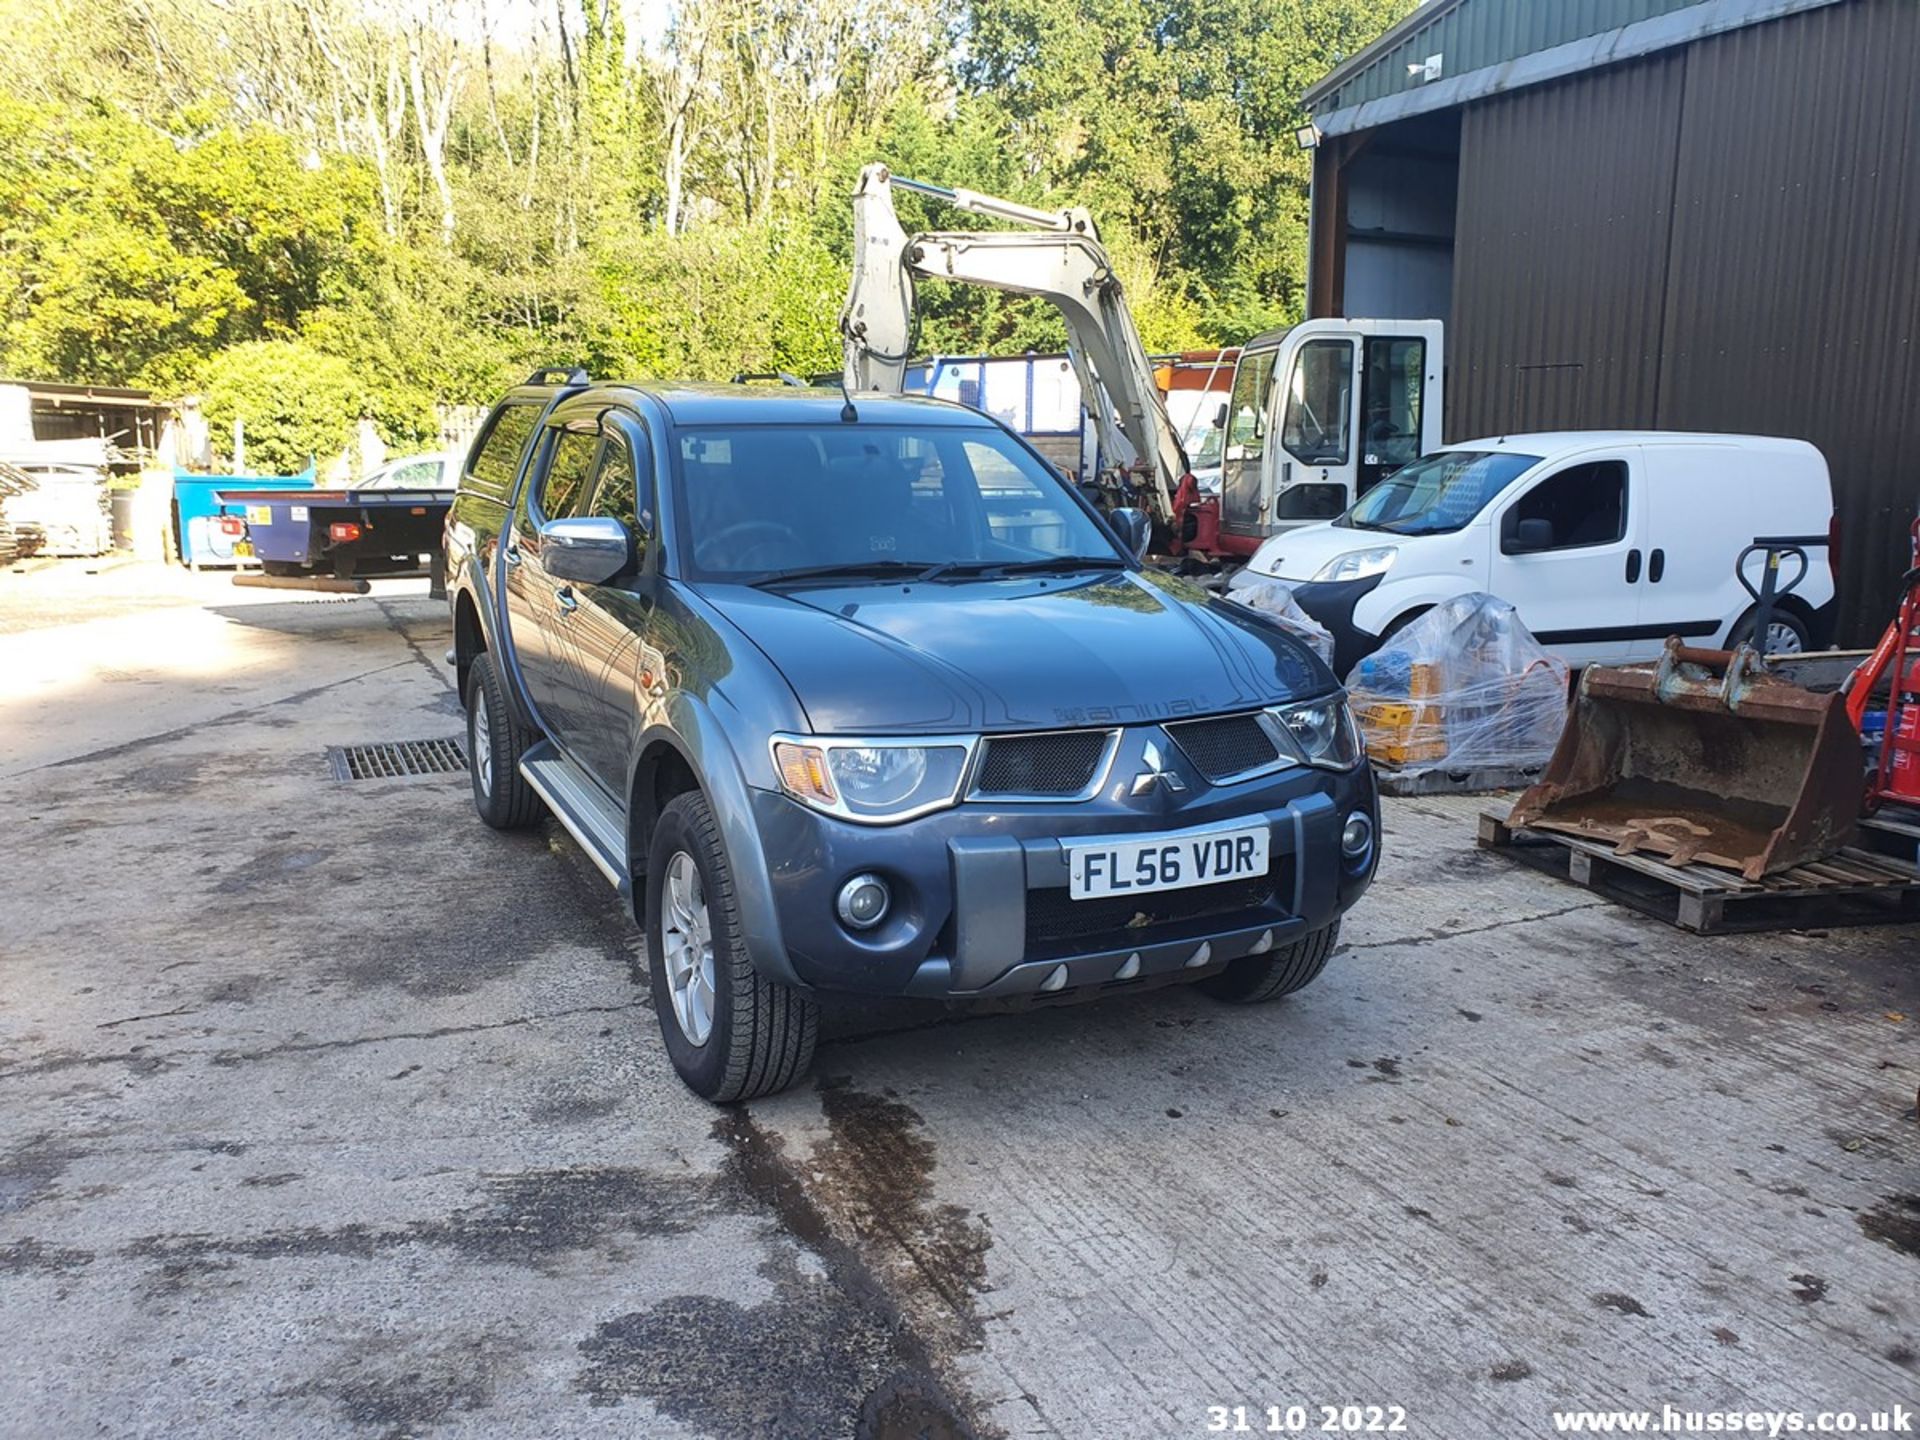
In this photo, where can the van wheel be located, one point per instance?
(1253, 978)
(1786, 633)
(731, 1033)
(495, 743)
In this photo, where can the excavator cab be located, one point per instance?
(1319, 414)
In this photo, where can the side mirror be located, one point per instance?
(1220, 417)
(1135, 529)
(1530, 535)
(592, 549)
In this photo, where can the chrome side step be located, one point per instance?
(578, 804)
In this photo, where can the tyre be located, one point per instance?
(495, 743)
(1253, 978)
(731, 1033)
(1786, 633)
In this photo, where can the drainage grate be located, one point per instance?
(397, 759)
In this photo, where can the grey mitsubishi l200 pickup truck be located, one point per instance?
(858, 694)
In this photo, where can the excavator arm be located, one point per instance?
(1056, 255)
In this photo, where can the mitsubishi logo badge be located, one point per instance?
(1156, 772)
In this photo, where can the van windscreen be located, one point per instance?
(1437, 494)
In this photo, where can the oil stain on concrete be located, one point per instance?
(874, 1287)
(533, 1219)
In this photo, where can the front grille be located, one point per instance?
(1061, 762)
(1226, 745)
(1057, 924)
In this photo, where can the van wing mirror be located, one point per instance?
(1530, 535)
(591, 549)
(1220, 417)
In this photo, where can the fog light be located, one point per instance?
(1356, 836)
(863, 902)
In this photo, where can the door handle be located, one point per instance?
(1656, 566)
(567, 603)
(1633, 566)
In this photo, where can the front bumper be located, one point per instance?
(1332, 603)
(980, 891)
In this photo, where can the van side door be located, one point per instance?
(1568, 555)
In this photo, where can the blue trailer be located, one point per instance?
(304, 540)
(334, 539)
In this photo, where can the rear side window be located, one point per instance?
(496, 459)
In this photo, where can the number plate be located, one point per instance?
(1115, 866)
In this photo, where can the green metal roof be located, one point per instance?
(1485, 46)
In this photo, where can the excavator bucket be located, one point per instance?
(1704, 756)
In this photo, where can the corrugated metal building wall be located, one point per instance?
(1725, 236)
(1560, 252)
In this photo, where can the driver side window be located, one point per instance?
(1319, 401)
(1585, 504)
(615, 494)
(623, 489)
(564, 483)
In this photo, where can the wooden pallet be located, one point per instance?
(1438, 780)
(1855, 887)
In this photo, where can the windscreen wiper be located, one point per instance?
(1053, 562)
(1004, 567)
(849, 569)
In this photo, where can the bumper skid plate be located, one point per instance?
(994, 878)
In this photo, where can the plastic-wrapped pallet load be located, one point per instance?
(1464, 687)
(1274, 599)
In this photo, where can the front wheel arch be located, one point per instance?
(1402, 621)
(662, 774)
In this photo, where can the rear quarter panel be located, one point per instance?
(1708, 502)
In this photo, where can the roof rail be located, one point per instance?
(747, 377)
(560, 375)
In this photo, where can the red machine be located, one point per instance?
(1897, 656)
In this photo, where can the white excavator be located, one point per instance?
(1057, 255)
(1319, 411)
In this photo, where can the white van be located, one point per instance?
(1604, 542)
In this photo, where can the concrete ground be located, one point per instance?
(325, 1110)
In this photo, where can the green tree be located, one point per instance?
(298, 404)
(133, 250)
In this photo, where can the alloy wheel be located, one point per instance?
(686, 940)
(1782, 639)
(482, 746)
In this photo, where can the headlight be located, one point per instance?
(1358, 564)
(873, 781)
(1322, 731)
